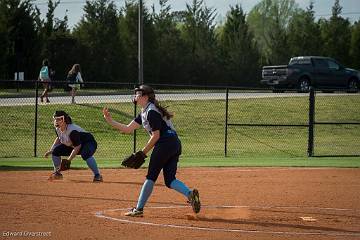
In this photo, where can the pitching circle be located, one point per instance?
(103, 214)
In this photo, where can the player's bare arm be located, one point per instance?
(120, 126)
(74, 152)
(56, 142)
(152, 141)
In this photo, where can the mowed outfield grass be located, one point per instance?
(200, 125)
(78, 163)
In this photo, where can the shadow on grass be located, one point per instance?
(268, 145)
(112, 110)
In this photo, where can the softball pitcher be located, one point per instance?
(165, 144)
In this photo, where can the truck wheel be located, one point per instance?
(304, 85)
(353, 86)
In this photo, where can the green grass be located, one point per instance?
(78, 163)
(200, 125)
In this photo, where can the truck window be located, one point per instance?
(320, 63)
(333, 65)
(300, 61)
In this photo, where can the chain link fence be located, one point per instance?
(265, 123)
(211, 121)
(337, 128)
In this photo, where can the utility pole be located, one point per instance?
(140, 44)
(140, 58)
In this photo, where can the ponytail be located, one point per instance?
(149, 91)
(162, 109)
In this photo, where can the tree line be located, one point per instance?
(180, 47)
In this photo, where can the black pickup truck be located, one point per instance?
(305, 71)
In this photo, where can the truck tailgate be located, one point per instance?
(269, 71)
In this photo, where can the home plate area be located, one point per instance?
(247, 219)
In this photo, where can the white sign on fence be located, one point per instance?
(21, 76)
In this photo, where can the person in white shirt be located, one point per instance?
(44, 77)
(74, 79)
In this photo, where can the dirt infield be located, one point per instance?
(238, 203)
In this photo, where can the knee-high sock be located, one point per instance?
(180, 187)
(145, 193)
(92, 165)
(56, 162)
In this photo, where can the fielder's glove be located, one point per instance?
(135, 160)
(65, 165)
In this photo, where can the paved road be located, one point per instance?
(175, 96)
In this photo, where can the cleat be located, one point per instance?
(135, 213)
(194, 200)
(98, 178)
(55, 176)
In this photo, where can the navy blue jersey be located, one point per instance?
(152, 120)
(74, 135)
(78, 138)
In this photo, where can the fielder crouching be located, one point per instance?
(165, 146)
(71, 140)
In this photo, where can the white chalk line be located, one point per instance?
(101, 214)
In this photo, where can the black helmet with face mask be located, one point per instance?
(145, 91)
(64, 115)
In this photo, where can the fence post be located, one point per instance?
(36, 117)
(226, 119)
(134, 137)
(311, 122)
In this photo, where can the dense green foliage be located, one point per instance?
(182, 47)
